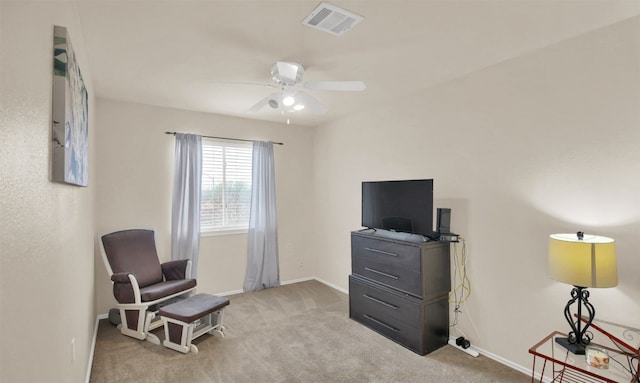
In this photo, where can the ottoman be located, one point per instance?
(190, 318)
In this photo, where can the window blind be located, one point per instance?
(226, 185)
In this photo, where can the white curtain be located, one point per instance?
(262, 260)
(185, 209)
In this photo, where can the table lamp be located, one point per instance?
(581, 260)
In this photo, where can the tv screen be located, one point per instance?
(404, 206)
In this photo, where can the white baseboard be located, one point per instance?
(289, 282)
(331, 285)
(292, 281)
(232, 292)
(92, 348)
(469, 350)
(509, 364)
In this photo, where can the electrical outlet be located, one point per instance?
(73, 350)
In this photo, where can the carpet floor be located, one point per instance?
(294, 333)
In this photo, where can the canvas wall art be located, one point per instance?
(70, 115)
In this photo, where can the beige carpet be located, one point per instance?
(294, 333)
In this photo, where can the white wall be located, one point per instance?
(536, 145)
(134, 189)
(46, 246)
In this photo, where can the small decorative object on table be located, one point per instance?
(597, 357)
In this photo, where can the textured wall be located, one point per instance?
(541, 144)
(46, 246)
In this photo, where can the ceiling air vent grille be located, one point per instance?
(331, 19)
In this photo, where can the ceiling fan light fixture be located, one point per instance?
(288, 100)
(298, 107)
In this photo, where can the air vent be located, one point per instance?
(331, 19)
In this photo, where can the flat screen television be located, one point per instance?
(402, 206)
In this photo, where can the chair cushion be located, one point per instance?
(164, 289)
(134, 251)
(194, 307)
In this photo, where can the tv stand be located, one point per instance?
(400, 286)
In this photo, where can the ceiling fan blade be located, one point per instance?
(315, 106)
(243, 83)
(335, 85)
(261, 104)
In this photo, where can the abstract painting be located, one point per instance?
(70, 115)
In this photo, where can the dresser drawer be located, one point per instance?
(383, 303)
(386, 252)
(396, 330)
(389, 274)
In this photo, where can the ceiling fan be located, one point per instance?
(287, 77)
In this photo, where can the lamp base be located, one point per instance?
(578, 349)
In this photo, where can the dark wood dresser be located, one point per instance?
(399, 287)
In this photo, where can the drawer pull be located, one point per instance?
(380, 301)
(381, 273)
(381, 323)
(380, 252)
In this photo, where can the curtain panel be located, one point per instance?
(262, 253)
(185, 209)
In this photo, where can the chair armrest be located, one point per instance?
(125, 288)
(180, 269)
(120, 278)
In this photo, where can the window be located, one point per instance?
(226, 187)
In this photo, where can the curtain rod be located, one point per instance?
(226, 138)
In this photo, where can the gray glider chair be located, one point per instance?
(140, 283)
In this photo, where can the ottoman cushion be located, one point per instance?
(194, 307)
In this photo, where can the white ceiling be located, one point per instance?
(175, 53)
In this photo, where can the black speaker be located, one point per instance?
(443, 220)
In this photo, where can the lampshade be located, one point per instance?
(586, 262)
